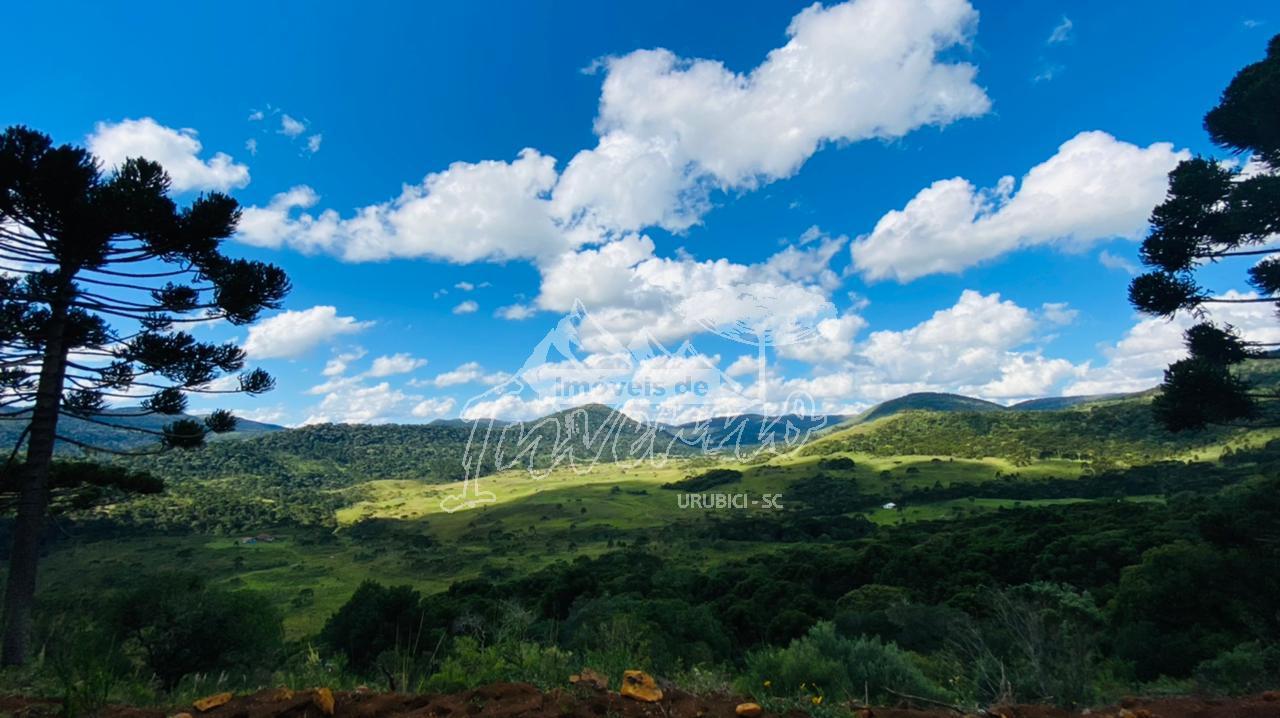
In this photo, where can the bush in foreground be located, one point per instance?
(825, 666)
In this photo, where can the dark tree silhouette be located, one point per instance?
(99, 270)
(77, 485)
(1214, 212)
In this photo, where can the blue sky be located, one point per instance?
(855, 173)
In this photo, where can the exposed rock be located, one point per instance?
(640, 686)
(322, 698)
(591, 678)
(208, 703)
(748, 710)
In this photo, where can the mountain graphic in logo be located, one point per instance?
(588, 397)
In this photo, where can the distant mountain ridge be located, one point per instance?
(338, 455)
(745, 429)
(1055, 403)
(751, 429)
(134, 432)
(449, 436)
(1102, 427)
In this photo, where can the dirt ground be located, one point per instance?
(512, 700)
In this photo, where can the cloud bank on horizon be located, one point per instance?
(675, 137)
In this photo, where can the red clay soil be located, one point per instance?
(519, 700)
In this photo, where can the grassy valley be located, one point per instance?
(949, 198)
(942, 511)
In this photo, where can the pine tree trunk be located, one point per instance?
(33, 496)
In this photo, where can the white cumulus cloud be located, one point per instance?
(392, 364)
(433, 408)
(178, 151)
(470, 212)
(468, 373)
(633, 295)
(290, 127)
(671, 128)
(669, 131)
(293, 333)
(1138, 360)
(983, 345)
(357, 404)
(337, 366)
(515, 312)
(1095, 187)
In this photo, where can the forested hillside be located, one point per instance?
(1112, 432)
(339, 455)
(929, 401)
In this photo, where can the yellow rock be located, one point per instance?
(640, 686)
(210, 702)
(323, 699)
(748, 710)
(282, 694)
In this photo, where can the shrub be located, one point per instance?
(1178, 607)
(1244, 669)
(873, 597)
(376, 619)
(469, 665)
(706, 480)
(840, 463)
(824, 664)
(668, 634)
(705, 680)
(181, 626)
(613, 645)
(86, 663)
(1039, 644)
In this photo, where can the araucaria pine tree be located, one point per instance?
(101, 269)
(1218, 212)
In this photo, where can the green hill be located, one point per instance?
(1119, 431)
(1056, 403)
(929, 401)
(750, 429)
(338, 455)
